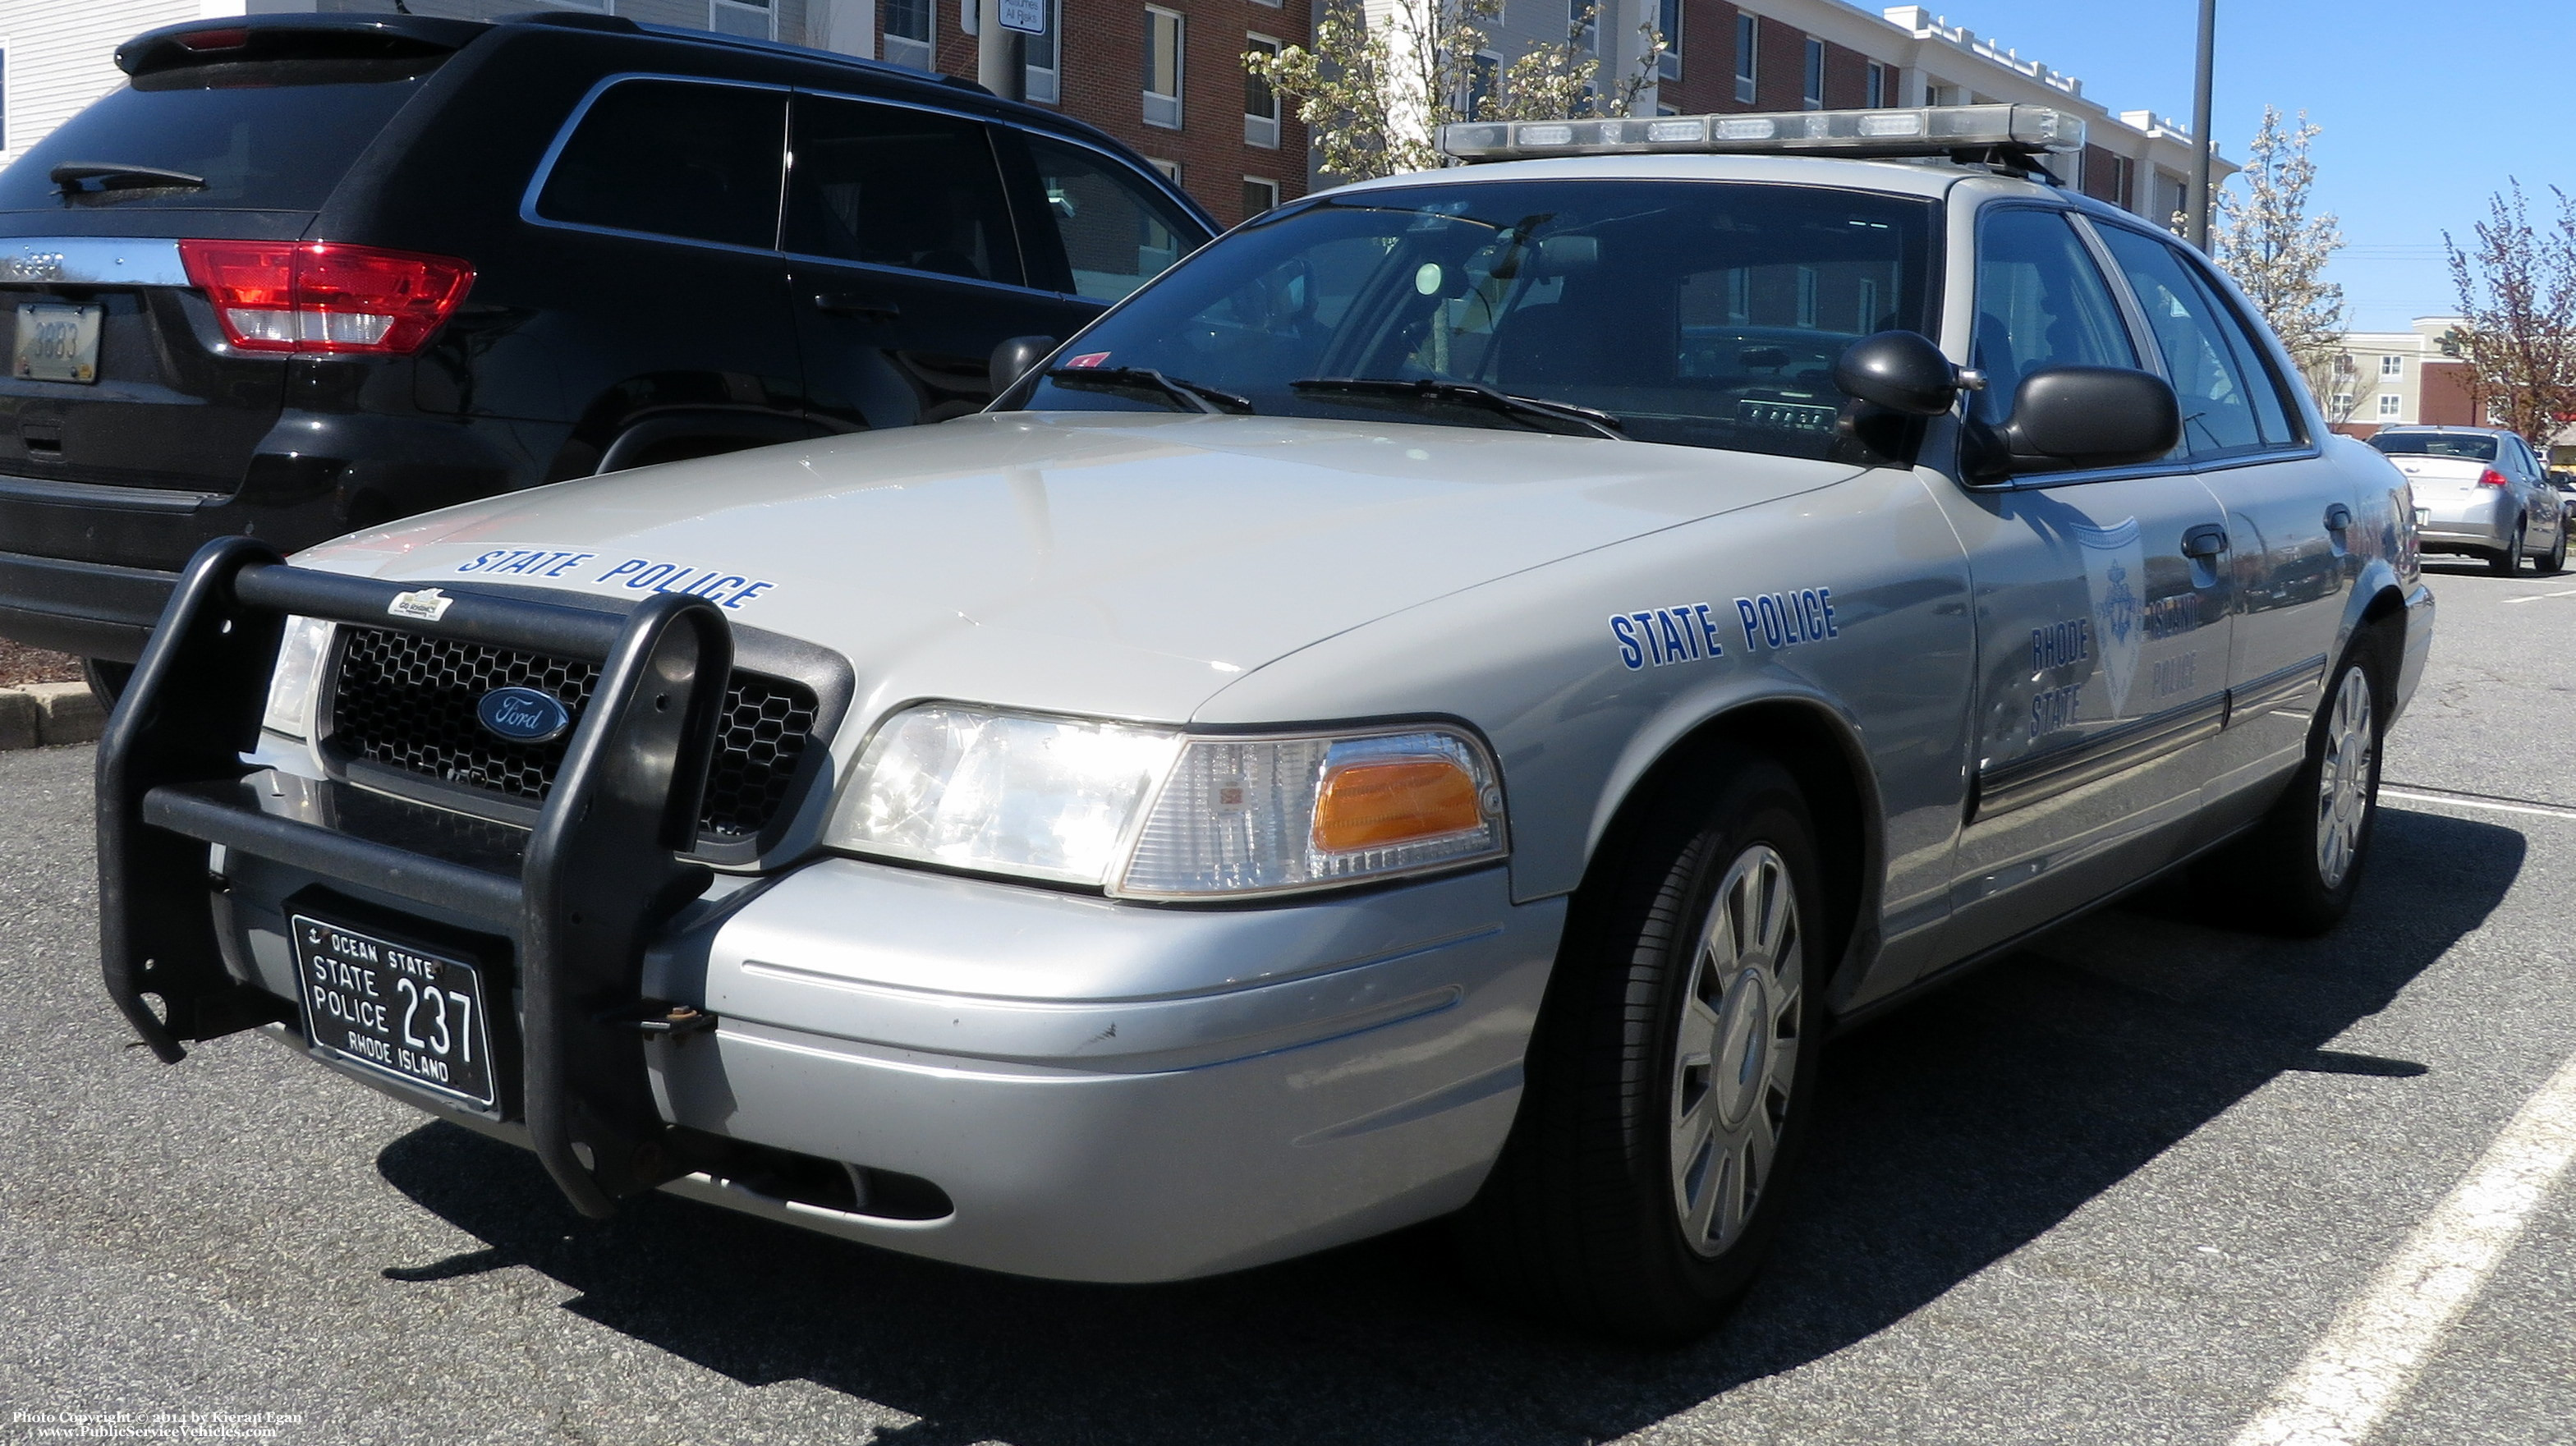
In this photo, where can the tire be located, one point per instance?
(2555, 562)
(2297, 872)
(1673, 1071)
(106, 680)
(2509, 561)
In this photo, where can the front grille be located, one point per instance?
(407, 702)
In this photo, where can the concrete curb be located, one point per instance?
(34, 714)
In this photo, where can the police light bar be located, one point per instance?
(1919, 131)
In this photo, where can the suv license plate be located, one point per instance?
(405, 1012)
(57, 343)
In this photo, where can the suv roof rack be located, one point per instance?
(2008, 136)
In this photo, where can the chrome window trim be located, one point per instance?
(91, 261)
(563, 136)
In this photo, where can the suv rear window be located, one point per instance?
(265, 135)
(2472, 446)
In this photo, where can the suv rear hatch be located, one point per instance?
(119, 389)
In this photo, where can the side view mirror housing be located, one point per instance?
(1901, 371)
(2073, 417)
(1016, 358)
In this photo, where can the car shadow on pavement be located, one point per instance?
(1954, 1132)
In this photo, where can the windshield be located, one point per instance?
(2473, 446)
(1703, 313)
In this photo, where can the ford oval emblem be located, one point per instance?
(523, 715)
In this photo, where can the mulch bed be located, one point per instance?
(22, 664)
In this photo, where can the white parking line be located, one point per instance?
(2471, 800)
(2536, 597)
(2370, 1355)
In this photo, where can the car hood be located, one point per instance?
(1085, 561)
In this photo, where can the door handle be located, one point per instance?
(2207, 540)
(2338, 518)
(851, 303)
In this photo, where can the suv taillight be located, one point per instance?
(321, 296)
(2492, 478)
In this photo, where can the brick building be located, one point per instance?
(2397, 378)
(1747, 55)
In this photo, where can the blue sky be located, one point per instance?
(2427, 108)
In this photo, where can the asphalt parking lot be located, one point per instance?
(2114, 1189)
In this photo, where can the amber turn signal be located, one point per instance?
(1394, 801)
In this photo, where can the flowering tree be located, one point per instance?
(1375, 96)
(2278, 252)
(2517, 289)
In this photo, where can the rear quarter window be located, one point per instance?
(694, 160)
(264, 135)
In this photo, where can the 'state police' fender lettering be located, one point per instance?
(1660, 636)
(1779, 620)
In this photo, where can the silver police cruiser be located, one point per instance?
(1439, 706)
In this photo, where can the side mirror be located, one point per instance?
(1016, 358)
(2072, 417)
(1899, 370)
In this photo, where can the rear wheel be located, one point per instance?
(1672, 1073)
(107, 680)
(2298, 871)
(2554, 561)
(2509, 561)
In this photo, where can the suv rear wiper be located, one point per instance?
(1472, 394)
(1191, 395)
(114, 176)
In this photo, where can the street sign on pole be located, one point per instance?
(1025, 16)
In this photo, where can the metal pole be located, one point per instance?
(997, 53)
(2196, 207)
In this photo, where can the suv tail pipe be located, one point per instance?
(599, 875)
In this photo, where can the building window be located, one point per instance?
(1043, 67)
(1869, 319)
(1482, 68)
(751, 19)
(2389, 366)
(1668, 20)
(907, 32)
(1814, 93)
(1583, 18)
(1171, 169)
(1162, 68)
(1260, 102)
(2342, 405)
(1748, 39)
(2389, 405)
(1878, 95)
(1259, 195)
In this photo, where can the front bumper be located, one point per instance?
(1104, 1092)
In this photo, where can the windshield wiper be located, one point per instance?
(115, 176)
(1471, 394)
(1191, 395)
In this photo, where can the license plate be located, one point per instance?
(400, 1010)
(58, 343)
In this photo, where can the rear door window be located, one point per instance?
(2229, 401)
(892, 186)
(263, 135)
(685, 159)
(1117, 234)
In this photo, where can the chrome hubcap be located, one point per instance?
(1737, 1055)
(2343, 783)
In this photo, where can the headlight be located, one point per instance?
(1152, 813)
(291, 688)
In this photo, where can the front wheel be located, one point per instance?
(1672, 1072)
(2507, 562)
(2296, 873)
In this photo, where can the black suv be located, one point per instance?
(307, 274)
